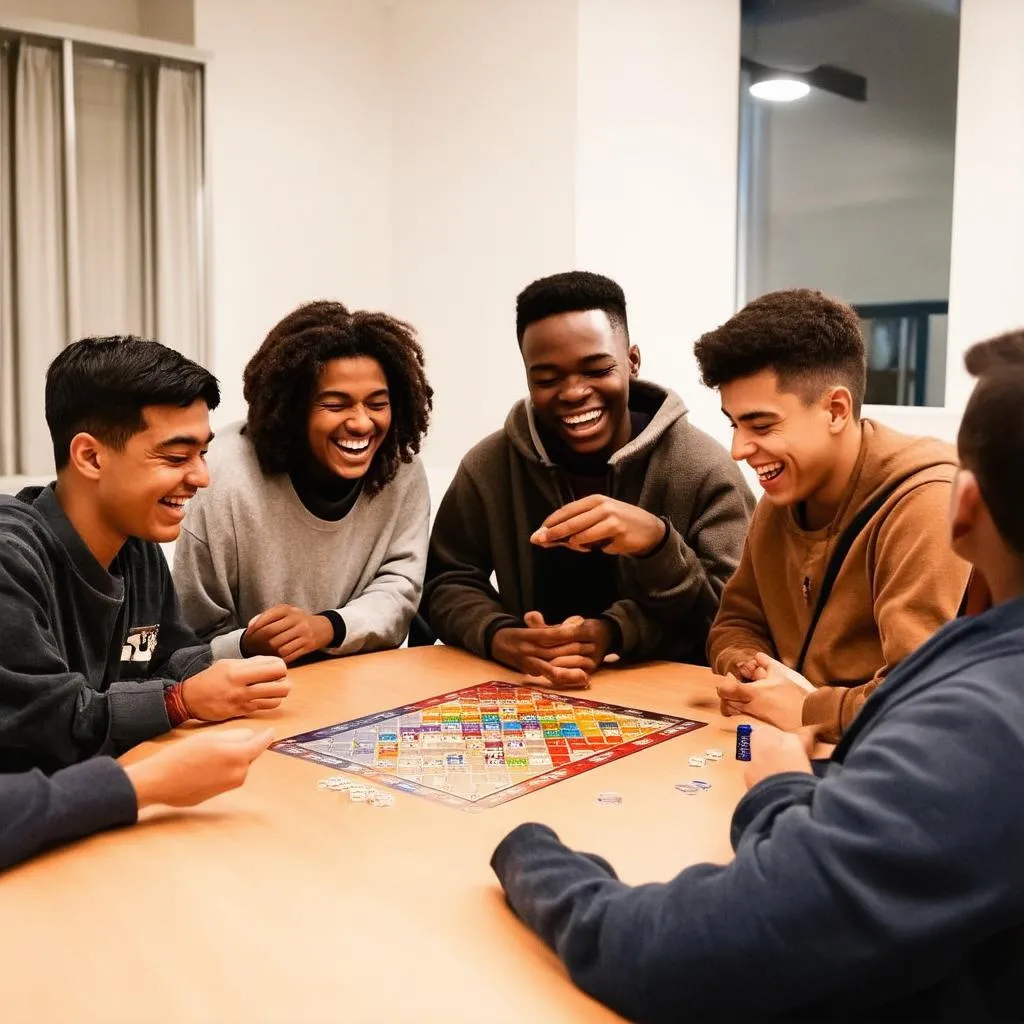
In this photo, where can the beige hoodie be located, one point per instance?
(899, 582)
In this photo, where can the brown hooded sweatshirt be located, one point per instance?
(899, 582)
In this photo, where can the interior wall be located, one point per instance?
(299, 115)
(656, 174)
(484, 144)
(111, 15)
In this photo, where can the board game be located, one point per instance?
(486, 744)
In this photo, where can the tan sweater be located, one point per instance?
(899, 582)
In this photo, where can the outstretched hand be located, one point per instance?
(598, 522)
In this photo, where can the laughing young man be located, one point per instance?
(610, 522)
(94, 654)
(790, 369)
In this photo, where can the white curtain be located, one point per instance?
(39, 289)
(8, 391)
(180, 312)
(112, 260)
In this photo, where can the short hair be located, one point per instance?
(809, 340)
(101, 386)
(280, 379)
(571, 292)
(991, 436)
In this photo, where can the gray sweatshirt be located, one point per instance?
(248, 544)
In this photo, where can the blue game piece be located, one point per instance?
(743, 742)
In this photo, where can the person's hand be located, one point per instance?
(775, 696)
(553, 655)
(235, 687)
(593, 635)
(197, 768)
(288, 632)
(600, 522)
(773, 751)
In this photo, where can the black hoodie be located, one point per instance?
(85, 653)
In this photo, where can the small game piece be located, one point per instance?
(713, 754)
(700, 784)
(696, 761)
(357, 794)
(743, 742)
(609, 798)
(379, 799)
(688, 788)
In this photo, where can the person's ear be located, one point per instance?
(965, 508)
(633, 354)
(838, 404)
(87, 455)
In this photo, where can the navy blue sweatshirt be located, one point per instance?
(37, 812)
(890, 889)
(85, 654)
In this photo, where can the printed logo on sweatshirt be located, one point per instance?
(140, 644)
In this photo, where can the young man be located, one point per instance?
(888, 890)
(94, 655)
(610, 522)
(790, 370)
(37, 812)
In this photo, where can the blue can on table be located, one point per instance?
(743, 742)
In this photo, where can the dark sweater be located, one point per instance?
(37, 812)
(508, 484)
(85, 653)
(890, 889)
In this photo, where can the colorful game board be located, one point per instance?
(486, 744)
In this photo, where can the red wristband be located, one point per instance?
(174, 701)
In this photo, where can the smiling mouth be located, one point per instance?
(178, 504)
(582, 420)
(353, 448)
(768, 472)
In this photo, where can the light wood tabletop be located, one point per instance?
(284, 902)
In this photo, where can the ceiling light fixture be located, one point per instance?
(774, 84)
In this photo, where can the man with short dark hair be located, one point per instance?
(845, 570)
(889, 889)
(94, 654)
(610, 522)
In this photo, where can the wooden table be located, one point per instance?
(287, 903)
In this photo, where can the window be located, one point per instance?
(101, 214)
(848, 187)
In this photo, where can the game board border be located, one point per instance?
(674, 726)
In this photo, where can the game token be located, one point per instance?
(480, 746)
(700, 784)
(713, 755)
(688, 788)
(743, 742)
(696, 762)
(609, 798)
(381, 799)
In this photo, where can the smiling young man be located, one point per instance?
(313, 536)
(94, 655)
(890, 889)
(610, 523)
(840, 493)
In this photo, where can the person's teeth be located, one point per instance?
(583, 417)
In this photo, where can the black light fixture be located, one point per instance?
(781, 86)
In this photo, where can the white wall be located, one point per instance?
(656, 174)
(112, 15)
(484, 141)
(299, 133)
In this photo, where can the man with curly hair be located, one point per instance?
(845, 570)
(313, 535)
(610, 522)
